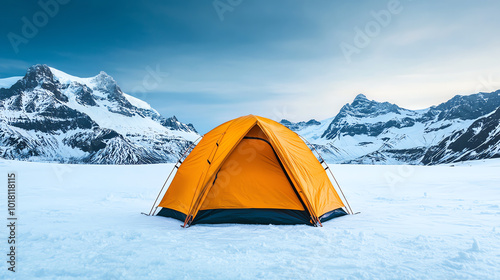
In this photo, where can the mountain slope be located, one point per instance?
(481, 140)
(48, 115)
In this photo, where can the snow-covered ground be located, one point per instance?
(416, 222)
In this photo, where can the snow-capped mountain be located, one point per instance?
(481, 140)
(48, 115)
(371, 132)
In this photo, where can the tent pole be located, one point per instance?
(330, 170)
(214, 150)
(341, 191)
(190, 216)
(158, 196)
(172, 171)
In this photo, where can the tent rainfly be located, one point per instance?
(251, 170)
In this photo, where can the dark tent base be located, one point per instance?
(251, 216)
(339, 212)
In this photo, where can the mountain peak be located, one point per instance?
(103, 77)
(361, 101)
(360, 109)
(38, 68)
(360, 97)
(362, 106)
(467, 107)
(299, 125)
(38, 72)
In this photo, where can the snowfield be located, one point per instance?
(416, 222)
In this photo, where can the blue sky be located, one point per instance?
(279, 59)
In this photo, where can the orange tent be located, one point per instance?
(251, 170)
